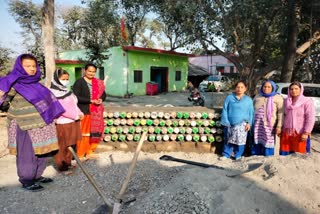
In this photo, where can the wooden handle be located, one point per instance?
(132, 167)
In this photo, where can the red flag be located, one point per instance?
(123, 30)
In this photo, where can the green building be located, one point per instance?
(133, 70)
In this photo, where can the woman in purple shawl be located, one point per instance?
(31, 128)
(268, 115)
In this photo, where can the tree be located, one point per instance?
(5, 60)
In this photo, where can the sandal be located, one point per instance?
(33, 187)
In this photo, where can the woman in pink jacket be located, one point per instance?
(68, 124)
(299, 118)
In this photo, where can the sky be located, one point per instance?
(9, 35)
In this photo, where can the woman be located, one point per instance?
(68, 124)
(268, 106)
(90, 92)
(299, 118)
(237, 117)
(31, 130)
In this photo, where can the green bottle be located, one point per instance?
(186, 115)
(110, 122)
(157, 130)
(170, 130)
(114, 137)
(204, 115)
(182, 130)
(195, 130)
(179, 115)
(136, 122)
(106, 130)
(212, 123)
(180, 137)
(149, 122)
(199, 122)
(162, 123)
(122, 137)
(152, 138)
(196, 138)
(136, 137)
(207, 130)
(175, 123)
(187, 123)
(211, 139)
(132, 130)
(123, 114)
(119, 130)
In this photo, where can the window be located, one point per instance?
(231, 69)
(178, 75)
(101, 73)
(137, 76)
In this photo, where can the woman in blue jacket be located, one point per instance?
(237, 117)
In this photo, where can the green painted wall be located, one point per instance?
(121, 65)
(71, 69)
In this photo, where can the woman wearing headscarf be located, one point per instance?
(268, 107)
(31, 129)
(68, 124)
(299, 119)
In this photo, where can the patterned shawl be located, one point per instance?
(96, 111)
(270, 100)
(29, 87)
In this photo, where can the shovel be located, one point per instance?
(90, 178)
(117, 204)
(251, 166)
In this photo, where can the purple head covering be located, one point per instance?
(29, 87)
(270, 99)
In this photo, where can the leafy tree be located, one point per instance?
(5, 61)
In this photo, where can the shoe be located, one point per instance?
(43, 180)
(33, 187)
(237, 159)
(222, 158)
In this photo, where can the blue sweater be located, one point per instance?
(237, 111)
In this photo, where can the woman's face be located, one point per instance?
(295, 91)
(240, 88)
(267, 88)
(29, 66)
(90, 72)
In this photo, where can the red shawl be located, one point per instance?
(96, 111)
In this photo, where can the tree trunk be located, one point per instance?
(48, 43)
(294, 10)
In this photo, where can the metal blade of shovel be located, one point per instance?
(117, 204)
(251, 166)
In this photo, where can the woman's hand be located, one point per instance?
(304, 137)
(96, 102)
(247, 128)
(278, 132)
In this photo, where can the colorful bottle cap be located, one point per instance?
(181, 122)
(182, 130)
(125, 130)
(123, 114)
(136, 137)
(129, 122)
(204, 115)
(195, 130)
(173, 114)
(192, 115)
(206, 123)
(132, 130)
(122, 137)
(189, 137)
(143, 122)
(114, 137)
(198, 115)
(164, 130)
(187, 123)
(159, 137)
(110, 115)
(119, 130)
(129, 115)
(162, 123)
(106, 130)
(211, 115)
(165, 137)
(151, 129)
(167, 115)
(107, 138)
(116, 114)
(188, 130)
(156, 122)
(213, 130)
(138, 129)
(157, 130)
(201, 130)
(173, 137)
(147, 115)
(160, 114)
(170, 130)
(179, 115)
(186, 115)
(212, 123)
(149, 122)
(175, 123)
(110, 122)
(211, 139)
(152, 138)
(145, 129)
(129, 137)
(105, 114)
(168, 122)
(134, 114)
(180, 137)
(199, 122)
(136, 122)
(203, 138)
(141, 114)
(116, 122)
(193, 123)
(196, 138)
(154, 115)
(176, 130)
(113, 130)
(123, 122)
(207, 130)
